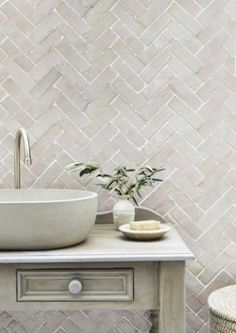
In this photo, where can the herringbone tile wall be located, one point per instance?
(132, 82)
(75, 322)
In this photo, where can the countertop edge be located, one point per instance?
(32, 259)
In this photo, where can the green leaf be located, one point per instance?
(73, 167)
(129, 170)
(158, 170)
(87, 170)
(118, 191)
(123, 180)
(135, 201)
(105, 175)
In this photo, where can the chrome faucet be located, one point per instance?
(21, 133)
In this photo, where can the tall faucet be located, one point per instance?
(21, 134)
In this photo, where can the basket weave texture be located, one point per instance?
(222, 310)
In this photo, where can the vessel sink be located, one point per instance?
(37, 219)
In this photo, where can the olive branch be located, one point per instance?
(123, 181)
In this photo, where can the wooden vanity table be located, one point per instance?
(107, 271)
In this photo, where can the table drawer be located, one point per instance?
(93, 285)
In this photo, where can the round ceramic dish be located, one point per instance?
(144, 234)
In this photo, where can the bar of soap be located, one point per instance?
(145, 225)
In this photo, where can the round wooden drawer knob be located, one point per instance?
(75, 287)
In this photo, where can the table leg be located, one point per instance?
(155, 321)
(172, 297)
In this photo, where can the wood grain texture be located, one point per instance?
(172, 297)
(98, 285)
(105, 244)
(144, 294)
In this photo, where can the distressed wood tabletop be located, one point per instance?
(105, 244)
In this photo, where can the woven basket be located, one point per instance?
(222, 310)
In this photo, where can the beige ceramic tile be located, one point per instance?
(117, 82)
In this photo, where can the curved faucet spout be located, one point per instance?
(21, 134)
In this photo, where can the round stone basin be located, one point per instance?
(37, 219)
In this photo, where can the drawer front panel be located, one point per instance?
(93, 285)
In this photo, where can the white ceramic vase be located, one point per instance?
(123, 212)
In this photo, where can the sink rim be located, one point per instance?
(88, 195)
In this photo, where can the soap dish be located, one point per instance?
(144, 234)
